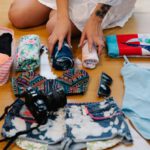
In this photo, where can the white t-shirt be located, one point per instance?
(80, 11)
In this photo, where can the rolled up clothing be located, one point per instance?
(6, 57)
(3, 58)
(62, 59)
(5, 70)
(27, 53)
(131, 45)
(6, 39)
(89, 59)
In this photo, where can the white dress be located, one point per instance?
(80, 11)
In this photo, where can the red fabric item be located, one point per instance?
(125, 49)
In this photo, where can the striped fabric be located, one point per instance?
(5, 71)
(74, 81)
(6, 50)
(34, 80)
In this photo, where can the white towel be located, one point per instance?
(89, 59)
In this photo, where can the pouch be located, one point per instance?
(74, 81)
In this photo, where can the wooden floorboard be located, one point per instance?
(139, 23)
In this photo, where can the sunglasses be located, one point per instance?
(105, 82)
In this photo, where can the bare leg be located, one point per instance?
(52, 21)
(28, 13)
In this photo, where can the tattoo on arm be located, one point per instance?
(103, 11)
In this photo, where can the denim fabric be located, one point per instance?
(63, 59)
(50, 133)
(71, 127)
(104, 120)
(136, 99)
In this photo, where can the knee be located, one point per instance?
(51, 22)
(16, 16)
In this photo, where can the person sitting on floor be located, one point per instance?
(71, 17)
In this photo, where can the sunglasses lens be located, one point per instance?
(104, 90)
(106, 78)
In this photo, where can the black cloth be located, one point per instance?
(5, 43)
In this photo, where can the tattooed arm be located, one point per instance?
(92, 30)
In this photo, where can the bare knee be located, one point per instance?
(16, 16)
(52, 21)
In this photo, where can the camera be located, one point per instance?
(41, 105)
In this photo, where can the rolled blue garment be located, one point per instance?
(63, 59)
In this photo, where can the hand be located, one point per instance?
(61, 31)
(93, 33)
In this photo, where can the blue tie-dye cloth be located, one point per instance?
(75, 124)
(62, 59)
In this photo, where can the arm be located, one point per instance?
(62, 8)
(92, 30)
(62, 28)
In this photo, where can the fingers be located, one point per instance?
(51, 42)
(90, 44)
(99, 43)
(83, 37)
(69, 39)
(60, 43)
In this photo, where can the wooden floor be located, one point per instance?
(139, 23)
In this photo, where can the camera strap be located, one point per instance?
(6, 110)
(13, 138)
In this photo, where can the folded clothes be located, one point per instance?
(72, 126)
(6, 58)
(5, 71)
(62, 59)
(3, 58)
(74, 81)
(89, 59)
(128, 44)
(28, 53)
(6, 43)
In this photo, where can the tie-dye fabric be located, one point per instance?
(96, 121)
(62, 59)
(72, 126)
(27, 53)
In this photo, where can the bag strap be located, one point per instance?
(126, 59)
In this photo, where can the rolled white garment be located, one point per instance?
(89, 59)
